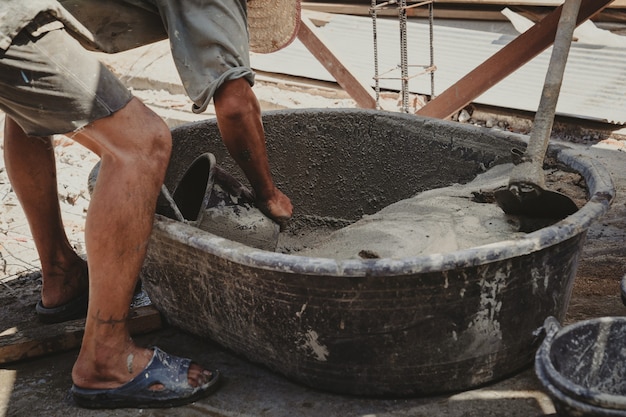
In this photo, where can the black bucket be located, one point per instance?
(194, 189)
(583, 366)
(206, 203)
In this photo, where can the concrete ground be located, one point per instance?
(39, 387)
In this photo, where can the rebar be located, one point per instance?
(404, 78)
(404, 59)
(374, 14)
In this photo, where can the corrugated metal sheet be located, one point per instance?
(594, 84)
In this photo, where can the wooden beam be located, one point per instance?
(503, 3)
(467, 10)
(360, 91)
(52, 338)
(504, 62)
(440, 12)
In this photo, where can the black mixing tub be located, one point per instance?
(401, 327)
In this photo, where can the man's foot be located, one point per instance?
(111, 365)
(64, 295)
(166, 381)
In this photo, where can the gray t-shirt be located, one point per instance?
(16, 14)
(108, 26)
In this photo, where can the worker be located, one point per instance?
(49, 84)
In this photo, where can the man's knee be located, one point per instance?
(139, 133)
(161, 145)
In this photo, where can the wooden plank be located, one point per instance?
(360, 91)
(53, 338)
(504, 62)
(464, 10)
(504, 3)
(417, 12)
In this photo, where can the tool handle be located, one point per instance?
(544, 118)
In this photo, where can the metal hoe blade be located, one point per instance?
(526, 194)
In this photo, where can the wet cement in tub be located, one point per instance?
(457, 217)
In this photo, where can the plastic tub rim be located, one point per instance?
(601, 194)
(567, 228)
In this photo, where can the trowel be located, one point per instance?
(526, 193)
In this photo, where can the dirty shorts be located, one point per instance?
(50, 85)
(209, 42)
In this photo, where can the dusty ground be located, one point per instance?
(603, 262)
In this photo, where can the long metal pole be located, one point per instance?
(504, 62)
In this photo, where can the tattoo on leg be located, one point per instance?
(110, 321)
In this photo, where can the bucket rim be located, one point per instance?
(560, 399)
(549, 375)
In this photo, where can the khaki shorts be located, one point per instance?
(209, 42)
(208, 38)
(50, 85)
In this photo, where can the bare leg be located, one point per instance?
(239, 120)
(31, 168)
(134, 146)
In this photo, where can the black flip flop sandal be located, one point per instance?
(74, 309)
(164, 370)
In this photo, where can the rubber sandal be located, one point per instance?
(74, 309)
(167, 370)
